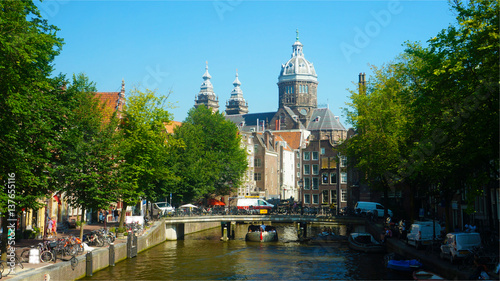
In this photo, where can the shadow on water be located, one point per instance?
(202, 256)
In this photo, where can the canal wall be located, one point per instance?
(99, 258)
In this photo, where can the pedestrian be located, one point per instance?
(49, 228)
(54, 226)
(115, 214)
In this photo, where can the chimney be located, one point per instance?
(362, 82)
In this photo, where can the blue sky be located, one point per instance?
(163, 45)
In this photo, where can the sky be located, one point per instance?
(164, 44)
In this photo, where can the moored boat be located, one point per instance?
(365, 242)
(261, 233)
(426, 275)
(404, 265)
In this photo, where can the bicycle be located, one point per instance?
(11, 268)
(468, 261)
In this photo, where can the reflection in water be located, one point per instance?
(204, 256)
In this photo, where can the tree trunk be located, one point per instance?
(123, 214)
(3, 246)
(82, 220)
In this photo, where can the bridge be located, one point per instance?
(177, 227)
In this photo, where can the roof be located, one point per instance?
(170, 126)
(292, 138)
(111, 101)
(324, 119)
(247, 121)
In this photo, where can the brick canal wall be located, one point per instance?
(100, 257)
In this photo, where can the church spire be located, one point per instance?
(206, 95)
(236, 104)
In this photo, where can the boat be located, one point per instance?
(404, 265)
(426, 275)
(365, 242)
(261, 233)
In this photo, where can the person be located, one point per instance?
(54, 226)
(115, 214)
(49, 227)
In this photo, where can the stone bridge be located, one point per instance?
(177, 227)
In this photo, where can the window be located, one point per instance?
(315, 169)
(343, 196)
(334, 195)
(298, 174)
(307, 169)
(315, 183)
(325, 197)
(324, 178)
(343, 177)
(257, 162)
(298, 155)
(324, 163)
(333, 163)
(307, 199)
(298, 165)
(257, 176)
(333, 177)
(322, 151)
(314, 155)
(307, 155)
(343, 161)
(315, 198)
(307, 183)
(256, 148)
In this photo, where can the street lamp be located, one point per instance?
(301, 183)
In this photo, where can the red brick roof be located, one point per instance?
(171, 125)
(110, 101)
(291, 138)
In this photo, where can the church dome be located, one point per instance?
(297, 67)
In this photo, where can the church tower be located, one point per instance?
(236, 103)
(206, 95)
(297, 84)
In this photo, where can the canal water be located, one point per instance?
(202, 256)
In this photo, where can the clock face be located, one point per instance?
(303, 112)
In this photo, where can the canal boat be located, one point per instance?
(426, 275)
(404, 265)
(261, 233)
(365, 242)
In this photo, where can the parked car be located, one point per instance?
(164, 207)
(371, 209)
(458, 244)
(422, 233)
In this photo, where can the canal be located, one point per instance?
(202, 256)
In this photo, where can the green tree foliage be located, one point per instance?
(29, 106)
(212, 161)
(87, 161)
(147, 170)
(446, 131)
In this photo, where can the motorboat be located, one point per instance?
(365, 242)
(261, 233)
(404, 265)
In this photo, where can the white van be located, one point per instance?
(458, 244)
(422, 232)
(257, 204)
(371, 208)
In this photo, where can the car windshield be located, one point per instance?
(469, 239)
(163, 205)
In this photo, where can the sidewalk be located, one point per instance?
(27, 243)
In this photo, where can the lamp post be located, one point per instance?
(301, 183)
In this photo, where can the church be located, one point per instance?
(292, 150)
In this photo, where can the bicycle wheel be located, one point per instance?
(46, 256)
(1, 269)
(25, 255)
(18, 261)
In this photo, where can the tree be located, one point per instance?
(147, 170)
(212, 161)
(29, 106)
(88, 161)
